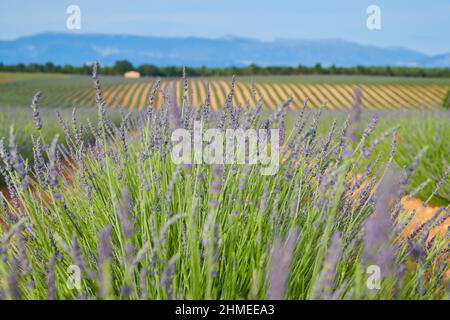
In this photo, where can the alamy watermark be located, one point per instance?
(373, 281)
(373, 21)
(230, 146)
(73, 277)
(73, 21)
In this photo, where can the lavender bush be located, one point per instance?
(110, 202)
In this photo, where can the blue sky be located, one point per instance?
(422, 25)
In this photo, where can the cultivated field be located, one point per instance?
(335, 92)
(6, 77)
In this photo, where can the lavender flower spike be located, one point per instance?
(378, 246)
(104, 261)
(98, 90)
(50, 279)
(280, 265)
(323, 287)
(355, 114)
(36, 115)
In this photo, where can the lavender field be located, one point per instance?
(94, 207)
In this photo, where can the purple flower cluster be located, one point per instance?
(36, 115)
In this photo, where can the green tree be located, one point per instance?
(123, 66)
(317, 69)
(149, 70)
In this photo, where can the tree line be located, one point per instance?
(120, 67)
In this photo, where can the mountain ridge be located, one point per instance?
(78, 49)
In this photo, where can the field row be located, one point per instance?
(134, 94)
(337, 96)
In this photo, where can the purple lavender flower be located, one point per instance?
(441, 181)
(151, 99)
(23, 262)
(243, 178)
(77, 255)
(426, 228)
(216, 185)
(393, 146)
(123, 140)
(4, 156)
(13, 194)
(185, 88)
(357, 104)
(167, 275)
(173, 109)
(104, 259)
(13, 280)
(63, 124)
(7, 215)
(341, 149)
(127, 225)
(54, 169)
(171, 186)
(371, 127)
(17, 161)
(98, 90)
(39, 162)
(50, 279)
(366, 134)
(229, 101)
(143, 283)
(74, 119)
(206, 106)
(378, 245)
(280, 265)
(323, 287)
(35, 106)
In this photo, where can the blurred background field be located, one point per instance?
(335, 91)
(6, 77)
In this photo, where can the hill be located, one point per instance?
(77, 49)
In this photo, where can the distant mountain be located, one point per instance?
(442, 60)
(77, 49)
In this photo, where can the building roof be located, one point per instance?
(132, 74)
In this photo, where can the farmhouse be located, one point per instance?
(132, 74)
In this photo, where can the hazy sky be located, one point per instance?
(423, 25)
